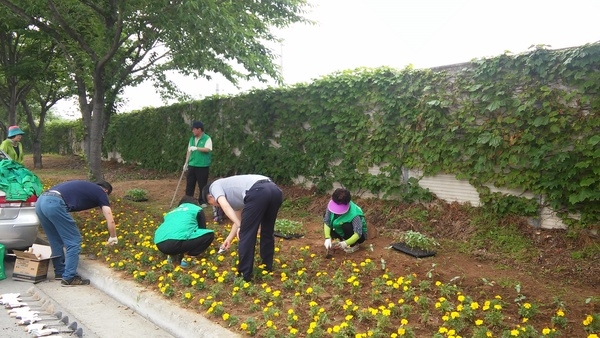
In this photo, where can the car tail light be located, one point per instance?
(30, 202)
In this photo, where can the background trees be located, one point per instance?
(110, 44)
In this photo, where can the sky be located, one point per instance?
(424, 33)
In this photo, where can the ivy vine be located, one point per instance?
(528, 121)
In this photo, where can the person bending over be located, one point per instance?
(250, 202)
(183, 232)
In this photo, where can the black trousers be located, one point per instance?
(192, 247)
(196, 176)
(261, 205)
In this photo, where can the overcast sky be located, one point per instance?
(396, 33)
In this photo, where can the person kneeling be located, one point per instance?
(183, 231)
(347, 221)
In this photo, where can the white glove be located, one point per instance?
(185, 167)
(343, 245)
(327, 243)
(192, 148)
(112, 241)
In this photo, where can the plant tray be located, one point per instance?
(288, 236)
(418, 253)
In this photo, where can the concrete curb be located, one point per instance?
(162, 312)
(153, 307)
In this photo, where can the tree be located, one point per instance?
(19, 62)
(111, 44)
(30, 72)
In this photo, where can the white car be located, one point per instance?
(19, 223)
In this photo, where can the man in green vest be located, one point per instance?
(344, 221)
(198, 159)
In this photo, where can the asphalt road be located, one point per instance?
(109, 307)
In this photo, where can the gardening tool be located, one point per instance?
(178, 183)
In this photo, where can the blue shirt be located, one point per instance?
(82, 195)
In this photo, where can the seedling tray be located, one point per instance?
(418, 253)
(287, 236)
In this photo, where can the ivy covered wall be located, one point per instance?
(530, 121)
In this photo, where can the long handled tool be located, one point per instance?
(175, 194)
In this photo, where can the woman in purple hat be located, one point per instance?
(344, 221)
(12, 145)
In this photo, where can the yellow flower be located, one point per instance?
(478, 322)
(560, 313)
(244, 326)
(514, 332)
(225, 316)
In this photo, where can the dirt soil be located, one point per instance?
(553, 275)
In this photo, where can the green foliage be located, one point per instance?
(497, 235)
(418, 240)
(137, 194)
(289, 227)
(503, 204)
(527, 122)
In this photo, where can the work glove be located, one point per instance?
(343, 245)
(185, 167)
(190, 149)
(112, 241)
(327, 243)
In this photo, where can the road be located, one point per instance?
(109, 307)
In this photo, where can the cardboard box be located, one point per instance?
(32, 266)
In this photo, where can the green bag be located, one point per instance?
(2, 274)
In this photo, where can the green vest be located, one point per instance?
(198, 158)
(180, 224)
(8, 148)
(337, 222)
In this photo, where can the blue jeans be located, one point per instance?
(62, 232)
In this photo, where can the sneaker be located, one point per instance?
(352, 249)
(57, 277)
(169, 260)
(184, 264)
(75, 281)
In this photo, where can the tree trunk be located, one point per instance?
(35, 132)
(37, 154)
(96, 134)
